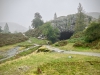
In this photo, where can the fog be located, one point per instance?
(22, 11)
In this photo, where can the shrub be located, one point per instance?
(77, 37)
(8, 38)
(61, 43)
(78, 44)
(92, 33)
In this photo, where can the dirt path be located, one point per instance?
(72, 52)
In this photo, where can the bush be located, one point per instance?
(8, 38)
(61, 43)
(78, 44)
(77, 37)
(92, 33)
(92, 45)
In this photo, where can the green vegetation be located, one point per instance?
(38, 41)
(92, 33)
(4, 48)
(46, 31)
(8, 39)
(37, 20)
(61, 43)
(25, 44)
(80, 19)
(0, 29)
(1, 56)
(24, 53)
(49, 32)
(89, 38)
(41, 61)
(31, 33)
(52, 64)
(77, 37)
(6, 29)
(70, 47)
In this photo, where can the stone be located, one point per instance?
(69, 56)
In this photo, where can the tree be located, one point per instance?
(55, 16)
(92, 33)
(99, 19)
(36, 22)
(6, 28)
(80, 23)
(29, 27)
(50, 32)
(0, 29)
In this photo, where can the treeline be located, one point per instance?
(8, 38)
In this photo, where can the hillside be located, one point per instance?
(94, 14)
(14, 27)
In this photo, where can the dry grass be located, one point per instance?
(4, 48)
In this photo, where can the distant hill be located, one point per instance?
(13, 27)
(94, 14)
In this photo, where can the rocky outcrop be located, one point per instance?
(67, 23)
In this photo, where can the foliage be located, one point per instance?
(36, 22)
(46, 31)
(77, 37)
(80, 23)
(30, 33)
(6, 28)
(92, 33)
(99, 19)
(61, 43)
(0, 29)
(55, 16)
(50, 32)
(8, 39)
(93, 45)
(78, 44)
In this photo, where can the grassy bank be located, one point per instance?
(52, 64)
(69, 46)
(24, 53)
(25, 44)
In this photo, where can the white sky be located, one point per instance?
(22, 11)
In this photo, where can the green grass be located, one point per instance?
(69, 46)
(52, 64)
(4, 48)
(24, 53)
(38, 41)
(25, 44)
(1, 56)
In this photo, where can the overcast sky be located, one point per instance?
(22, 11)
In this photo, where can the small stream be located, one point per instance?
(12, 52)
(9, 53)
